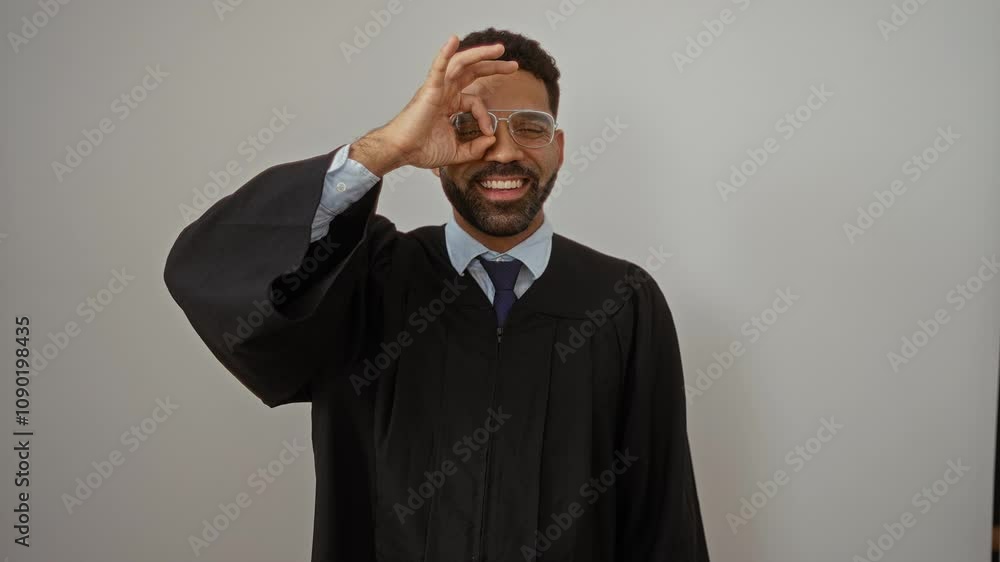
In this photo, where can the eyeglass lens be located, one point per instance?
(528, 128)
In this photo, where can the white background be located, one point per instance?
(653, 186)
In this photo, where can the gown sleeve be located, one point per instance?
(274, 308)
(659, 516)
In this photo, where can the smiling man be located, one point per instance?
(405, 342)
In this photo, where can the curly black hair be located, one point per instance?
(528, 53)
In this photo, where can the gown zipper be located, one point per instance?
(486, 469)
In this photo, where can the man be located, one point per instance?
(482, 390)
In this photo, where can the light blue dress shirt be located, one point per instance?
(347, 181)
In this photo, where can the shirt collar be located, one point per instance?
(533, 251)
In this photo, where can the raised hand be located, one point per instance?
(421, 134)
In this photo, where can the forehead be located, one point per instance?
(520, 90)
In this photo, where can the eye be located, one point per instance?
(466, 127)
(469, 134)
(531, 131)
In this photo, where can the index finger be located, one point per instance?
(447, 54)
(460, 61)
(436, 74)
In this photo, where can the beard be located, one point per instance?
(498, 218)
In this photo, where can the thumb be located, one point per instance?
(475, 149)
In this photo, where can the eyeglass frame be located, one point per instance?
(496, 122)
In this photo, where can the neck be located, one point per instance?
(499, 244)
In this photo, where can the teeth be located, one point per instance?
(509, 184)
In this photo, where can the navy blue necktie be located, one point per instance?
(503, 274)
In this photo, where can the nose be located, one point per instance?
(504, 149)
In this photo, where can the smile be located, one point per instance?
(503, 183)
(503, 188)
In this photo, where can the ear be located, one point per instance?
(560, 145)
(436, 171)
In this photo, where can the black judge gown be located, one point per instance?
(435, 437)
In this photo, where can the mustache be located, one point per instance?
(503, 169)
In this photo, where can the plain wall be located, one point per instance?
(655, 185)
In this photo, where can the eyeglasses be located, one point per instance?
(528, 127)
